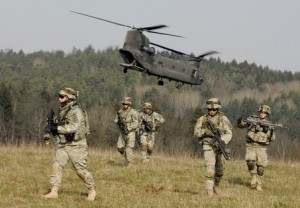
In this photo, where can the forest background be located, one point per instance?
(29, 84)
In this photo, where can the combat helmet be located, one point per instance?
(69, 92)
(213, 103)
(265, 109)
(126, 100)
(147, 105)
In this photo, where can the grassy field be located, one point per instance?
(164, 182)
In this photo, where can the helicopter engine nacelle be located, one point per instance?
(149, 50)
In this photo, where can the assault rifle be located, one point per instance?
(122, 125)
(148, 125)
(217, 139)
(47, 129)
(253, 120)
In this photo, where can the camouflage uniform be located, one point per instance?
(257, 139)
(213, 158)
(126, 142)
(149, 123)
(70, 132)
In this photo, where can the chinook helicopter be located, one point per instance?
(138, 55)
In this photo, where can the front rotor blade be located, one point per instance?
(164, 34)
(153, 27)
(102, 19)
(169, 49)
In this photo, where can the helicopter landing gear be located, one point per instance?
(160, 82)
(178, 85)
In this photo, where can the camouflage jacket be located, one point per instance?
(131, 118)
(72, 123)
(220, 121)
(258, 134)
(150, 122)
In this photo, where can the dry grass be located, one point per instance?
(164, 182)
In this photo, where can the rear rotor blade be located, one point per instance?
(206, 54)
(102, 19)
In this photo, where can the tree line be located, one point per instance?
(29, 84)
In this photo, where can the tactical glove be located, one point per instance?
(240, 119)
(265, 129)
(53, 129)
(208, 133)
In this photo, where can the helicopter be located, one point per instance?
(138, 55)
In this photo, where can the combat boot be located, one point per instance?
(253, 182)
(259, 187)
(91, 195)
(53, 194)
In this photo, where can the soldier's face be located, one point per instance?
(262, 115)
(147, 110)
(212, 111)
(125, 106)
(62, 99)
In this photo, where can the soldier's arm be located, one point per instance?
(159, 118)
(198, 131)
(227, 130)
(76, 117)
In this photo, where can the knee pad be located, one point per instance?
(251, 164)
(260, 170)
(209, 174)
(121, 150)
(81, 174)
(149, 151)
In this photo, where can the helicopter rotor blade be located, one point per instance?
(165, 34)
(206, 54)
(102, 19)
(169, 49)
(152, 27)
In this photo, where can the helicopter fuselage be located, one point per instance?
(138, 55)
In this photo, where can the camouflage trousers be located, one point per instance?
(77, 153)
(214, 166)
(125, 145)
(257, 159)
(147, 143)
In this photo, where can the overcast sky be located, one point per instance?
(265, 32)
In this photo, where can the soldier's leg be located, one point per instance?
(78, 156)
(210, 161)
(60, 160)
(151, 143)
(121, 145)
(251, 159)
(220, 167)
(144, 144)
(262, 162)
(129, 147)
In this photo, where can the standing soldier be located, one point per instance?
(150, 122)
(70, 128)
(213, 158)
(259, 136)
(127, 120)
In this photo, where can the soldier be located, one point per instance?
(70, 128)
(213, 158)
(127, 120)
(258, 138)
(150, 122)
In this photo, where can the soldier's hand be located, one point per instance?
(240, 120)
(207, 132)
(53, 129)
